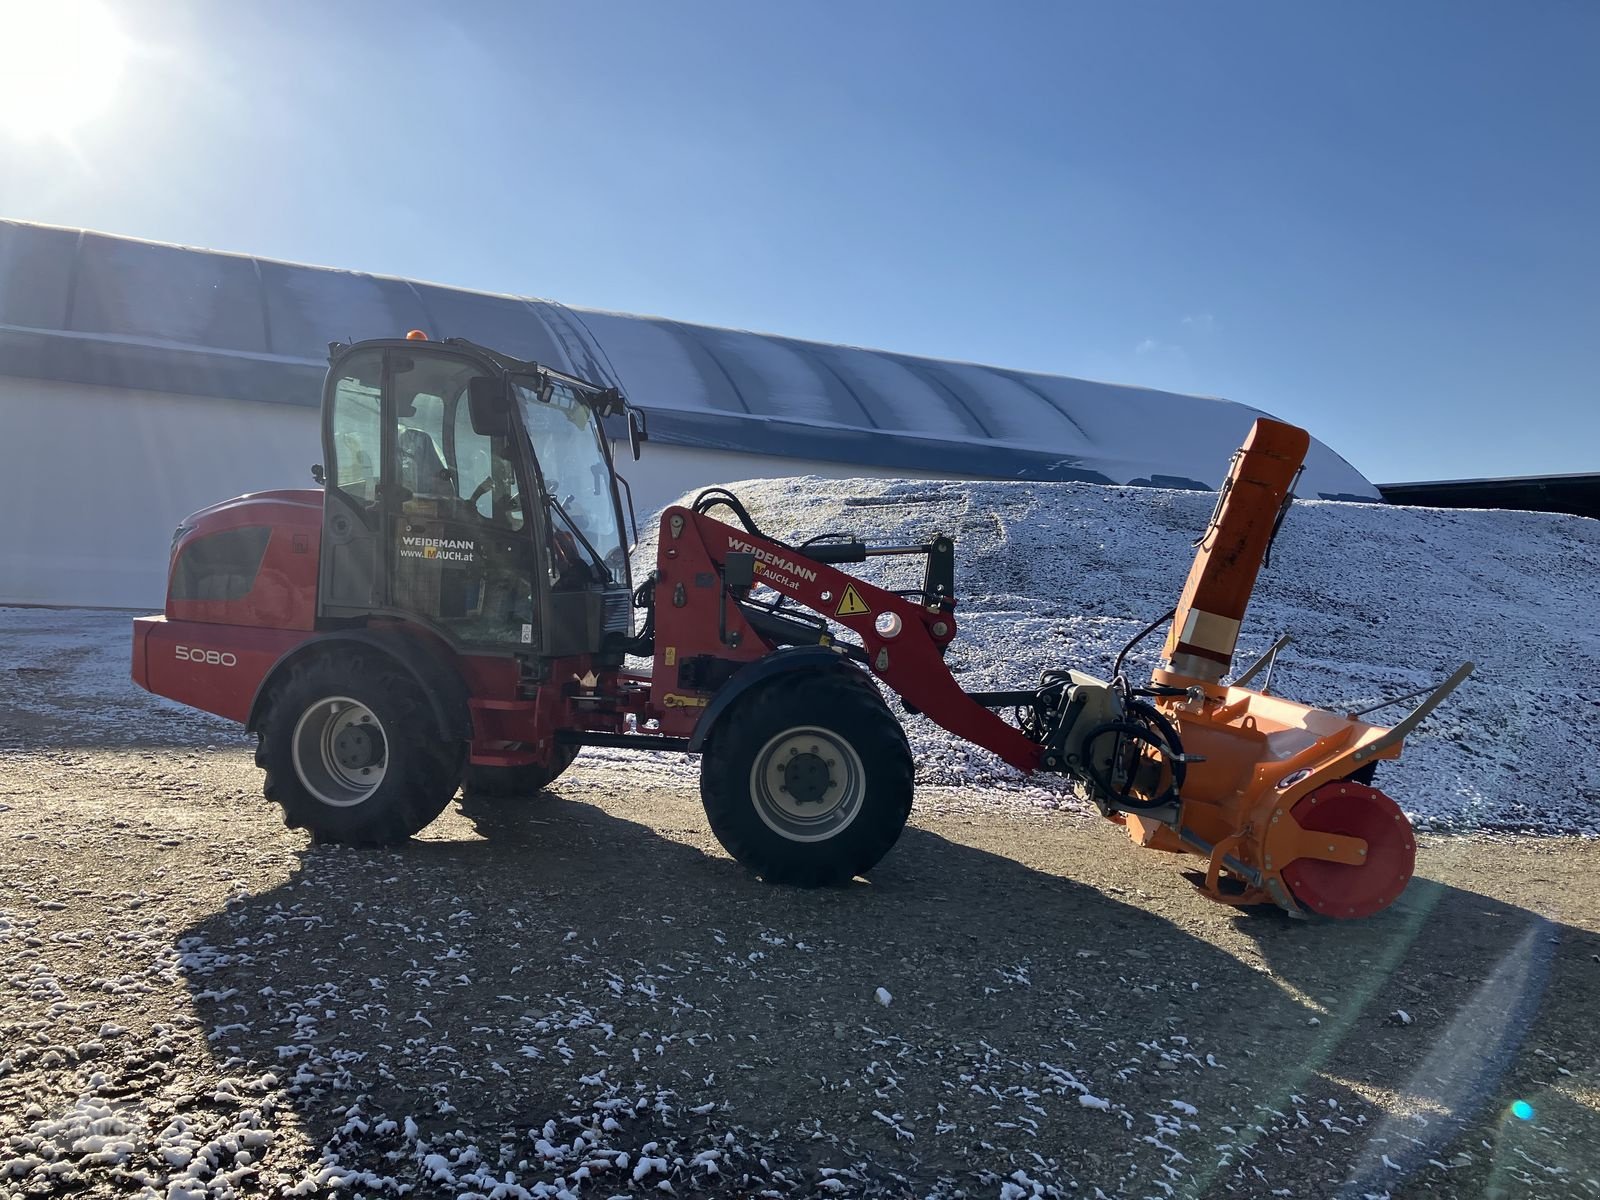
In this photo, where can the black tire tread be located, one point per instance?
(419, 791)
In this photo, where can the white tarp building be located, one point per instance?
(141, 381)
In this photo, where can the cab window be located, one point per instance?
(357, 448)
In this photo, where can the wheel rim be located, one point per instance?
(341, 752)
(808, 784)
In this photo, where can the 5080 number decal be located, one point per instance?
(214, 658)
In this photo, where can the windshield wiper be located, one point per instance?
(599, 560)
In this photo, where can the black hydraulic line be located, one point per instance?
(1129, 734)
(643, 644)
(1116, 667)
(1283, 511)
(722, 498)
(815, 538)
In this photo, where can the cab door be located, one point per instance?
(462, 555)
(441, 535)
(351, 572)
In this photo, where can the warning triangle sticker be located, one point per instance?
(850, 604)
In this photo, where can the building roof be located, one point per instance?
(1578, 495)
(94, 308)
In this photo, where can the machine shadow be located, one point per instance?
(1470, 1008)
(485, 988)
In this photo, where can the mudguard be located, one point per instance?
(440, 683)
(780, 662)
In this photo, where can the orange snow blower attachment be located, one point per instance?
(1276, 796)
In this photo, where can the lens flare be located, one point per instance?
(1522, 1110)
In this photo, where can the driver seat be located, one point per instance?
(422, 471)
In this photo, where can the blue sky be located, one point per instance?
(1381, 221)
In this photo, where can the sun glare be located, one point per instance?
(60, 64)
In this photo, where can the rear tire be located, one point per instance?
(352, 752)
(509, 783)
(808, 779)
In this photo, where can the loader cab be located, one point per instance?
(473, 494)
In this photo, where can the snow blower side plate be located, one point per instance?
(1345, 890)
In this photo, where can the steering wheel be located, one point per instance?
(502, 502)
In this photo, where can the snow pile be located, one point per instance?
(1380, 600)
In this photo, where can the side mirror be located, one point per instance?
(489, 406)
(636, 431)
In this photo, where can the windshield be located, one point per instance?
(566, 441)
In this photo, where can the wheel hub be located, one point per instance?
(340, 751)
(355, 747)
(808, 783)
(807, 778)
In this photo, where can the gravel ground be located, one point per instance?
(580, 994)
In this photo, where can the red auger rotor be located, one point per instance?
(1335, 889)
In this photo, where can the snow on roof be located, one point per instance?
(94, 308)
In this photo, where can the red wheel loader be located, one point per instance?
(453, 608)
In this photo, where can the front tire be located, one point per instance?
(352, 752)
(808, 779)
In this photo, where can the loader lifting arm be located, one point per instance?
(706, 627)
